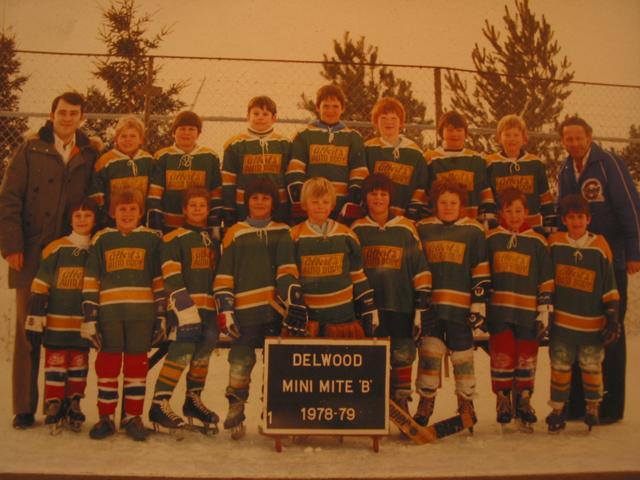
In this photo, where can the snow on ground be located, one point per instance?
(487, 452)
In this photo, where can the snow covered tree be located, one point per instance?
(522, 72)
(11, 84)
(355, 67)
(128, 74)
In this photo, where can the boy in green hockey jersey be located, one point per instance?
(514, 167)
(126, 165)
(189, 259)
(184, 164)
(55, 316)
(259, 152)
(256, 268)
(329, 259)
(395, 156)
(328, 148)
(521, 300)
(464, 166)
(123, 306)
(397, 270)
(455, 248)
(586, 308)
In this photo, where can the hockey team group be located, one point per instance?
(321, 236)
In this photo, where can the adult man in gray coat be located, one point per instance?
(49, 172)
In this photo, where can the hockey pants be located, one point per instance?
(108, 366)
(514, 357)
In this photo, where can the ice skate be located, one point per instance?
(23, 421)
(193, 408)
(55, 416)
(525, 413)
(104, 428)
(465, 407)
(134, 427)
(504, 409)
(556, 420)
(235, 418)
(75, 417)
(165, 420)
(424, 410)
(592, 414)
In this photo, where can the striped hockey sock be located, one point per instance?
(135, 377)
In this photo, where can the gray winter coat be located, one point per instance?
(36, 191)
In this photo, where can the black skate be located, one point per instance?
(134, 427)
(23, 421)
(104, 428)
(164, 419)
(592, 414)
(504, 409)
(75, 417)
(55, 410)
(194, 408)
(556, 420)
(525, 413)
(235, 418)
(465, 407)
(424, 410)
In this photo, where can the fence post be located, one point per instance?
(437, 87)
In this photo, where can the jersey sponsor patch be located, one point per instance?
(394, 171)
(124, 259)
(576, 278)
(183, 179)
(511, 262)
(70, 278)
(329, 154)
(322, 265)
(524, 183)
(201, 257)
(380, 256)
(445, 251)
(592, 190)
(137, 183)
(462, 177)
(262, 163)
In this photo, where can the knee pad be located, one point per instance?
(403, 352)
(464, 373)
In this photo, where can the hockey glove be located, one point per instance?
(295, 321)
(349, 213)
(189, 322)
(550, 224)
(214, 220)
(416, 211)
(155, 220)
(159, 334)
(36, 320)
(545, 309)
(477, 318)
(227, 324)
(368, 313)
(229, 218)
(489, 220)
(612, 328)
(294, 191)
(89, 329)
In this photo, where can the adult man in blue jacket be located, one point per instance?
(604, 181)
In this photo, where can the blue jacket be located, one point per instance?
(613, 198)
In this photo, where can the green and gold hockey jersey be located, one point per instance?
(521, 270)
(174, 172)
(405, 165)
(393, 262)
(59, 277)
(467, 168)
(334, 152)
(249, 156)
(123, 275)
(331, 271)
(189, 260)
(584, 282)
(527, 174)
(256, 266)
(457, 256)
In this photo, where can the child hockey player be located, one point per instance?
(184, 164)
(586, 307)
(126, 165)
(330, 263)
(189, 258)
(397, 270)
(521, 299)
(328, 148)
(395, 156)
(55, 309)
(123, 310)
(513, 167)
(455, 248)
(259, 152)
(256, 267)
(464, 166)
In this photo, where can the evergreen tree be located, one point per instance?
(11, 84)
(356, 69)
(631, 153)
(521, 73)
(126, 74)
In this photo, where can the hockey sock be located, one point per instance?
(55, 374)
(77, 373)
(464, 373)
(429, 365)
(403, 353)
(560, 382)
(197, 375)
(592, 382)
(108, 367)
(502, 347)
(177, 358)
(135, 377)
(241, 362)
(527, 362)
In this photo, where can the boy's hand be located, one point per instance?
(15, 261)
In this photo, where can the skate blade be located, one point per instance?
(176, 433)
(55, 429)
(207, 429)
(238, 432)
(75, 426)
(525, 427)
